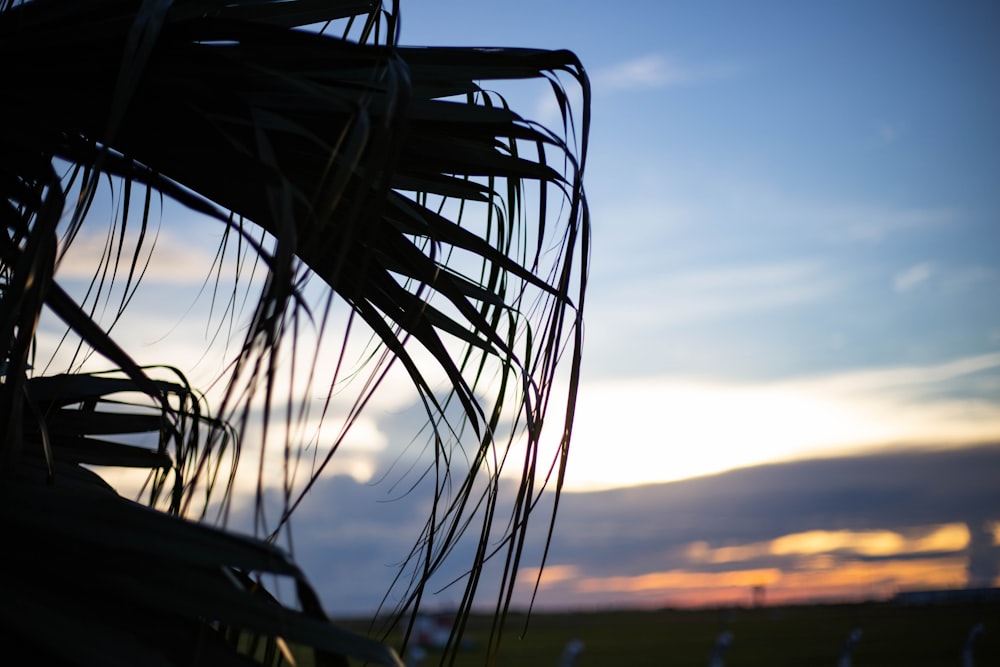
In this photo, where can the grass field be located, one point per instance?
(798, 636)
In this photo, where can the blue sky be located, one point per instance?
(793, 324)
(787, 197)
(796, 255)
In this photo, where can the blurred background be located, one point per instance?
(791, 384)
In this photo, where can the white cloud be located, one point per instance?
(724, 292)
(720, 204)
(913, 276)
(649, 72)
(654, 71)
(949, 280)
(715, 293)
(873, 223)
(635, 431)
(912, 378)
(172, 260)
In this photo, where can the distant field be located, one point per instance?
(797, 636)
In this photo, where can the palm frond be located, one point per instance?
(452, 227)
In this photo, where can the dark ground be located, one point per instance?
(891, 635)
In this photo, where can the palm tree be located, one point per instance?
(454, 230)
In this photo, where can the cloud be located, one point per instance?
(409, 448)
(869, 543)
(854, 222)
(719, 292)
(897, 491)
(837, 527)
(680, 270)
(913, 276)
(717, 204)
(673, 427)
(822, 579)
(677, 220)
(903, 516)
(912, 378)
(650, 72)
(654, 71)
(708, 295)
(948, 280)
(172, 260)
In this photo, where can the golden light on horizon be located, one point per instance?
(686, 427)
(946, 572)
(814, 565)
(673, 579)
(702, 552)
(819, 577)
(551, 574)
(948, 537)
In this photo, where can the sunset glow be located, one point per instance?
(682, 428)
(951, 537)
(794, 259)
(813, 579)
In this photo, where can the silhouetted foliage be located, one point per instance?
(454, 230)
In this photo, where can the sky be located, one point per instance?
(795, 224)
(793, 323)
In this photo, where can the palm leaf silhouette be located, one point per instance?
(455, 231)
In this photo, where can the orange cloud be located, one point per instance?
(679, 579)
(551, 575)
(943, 538)
(821, 565)
(822, 576)
(948, 537)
